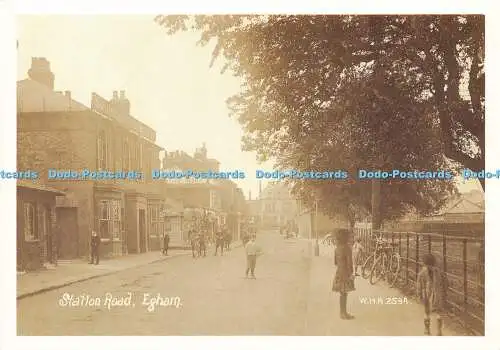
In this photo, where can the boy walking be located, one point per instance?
(252, 251)
(431, 288)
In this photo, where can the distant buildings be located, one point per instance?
(274, 206)
(215, 202)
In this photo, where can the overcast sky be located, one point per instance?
(166, 78)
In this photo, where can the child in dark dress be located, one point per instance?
(343, 281)
(432, 284)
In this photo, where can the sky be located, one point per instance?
(166, 78)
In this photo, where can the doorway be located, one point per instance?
(66, 234)
(142, 231)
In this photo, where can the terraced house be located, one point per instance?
(57, 132)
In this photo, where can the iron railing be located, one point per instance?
(460, 258)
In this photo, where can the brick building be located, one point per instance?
(56, 132)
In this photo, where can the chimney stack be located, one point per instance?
(122, 104)
(40, 72)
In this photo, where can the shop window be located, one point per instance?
(110, 223)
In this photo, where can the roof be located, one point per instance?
(33, 96)
(465, 206)
(38, 187)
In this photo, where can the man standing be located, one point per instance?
(95, 241)
(166, 242)
(252, 251)
(227, 238)
(219, 242)
(203, 245)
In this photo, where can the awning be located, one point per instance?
(38, 187)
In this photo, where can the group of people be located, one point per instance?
(199, 241)
(430, 287)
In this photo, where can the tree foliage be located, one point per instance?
(353, 92)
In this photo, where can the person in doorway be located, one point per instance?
(95, 242)
(166, 242)
(252, 251)
(219, 242)
(343, 282)
(357, 252)
(431, 290)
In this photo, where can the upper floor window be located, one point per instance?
(102, 151)
(140, 157)
(126, 156)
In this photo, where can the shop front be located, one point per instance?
(36, 226)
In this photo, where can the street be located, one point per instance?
(210, 296)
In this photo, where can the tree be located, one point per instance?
(298, 70)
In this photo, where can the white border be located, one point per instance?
(7, 161)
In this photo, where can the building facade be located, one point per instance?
(275, 206)
(56, 132)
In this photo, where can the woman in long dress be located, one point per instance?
(343, 282)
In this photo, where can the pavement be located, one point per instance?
(69, 272)
(378, 309)
(211, 296)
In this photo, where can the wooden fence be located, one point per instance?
(460, 257)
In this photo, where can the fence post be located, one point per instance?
(407, 257)
(445, 267)
(481, 273)
(417, 255)
(399, 242)
(464, 258)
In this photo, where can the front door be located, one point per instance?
(142, 230)
(66, 235)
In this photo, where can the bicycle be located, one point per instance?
(369, 261)
(386, 266)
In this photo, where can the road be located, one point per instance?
(216, 298)
(210, 296)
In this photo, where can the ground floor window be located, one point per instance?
(110, 219)
(31, 232)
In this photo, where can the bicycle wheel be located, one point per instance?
(378, 269)
(394, 268)
(367, 266)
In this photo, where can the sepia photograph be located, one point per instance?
(250, 175)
